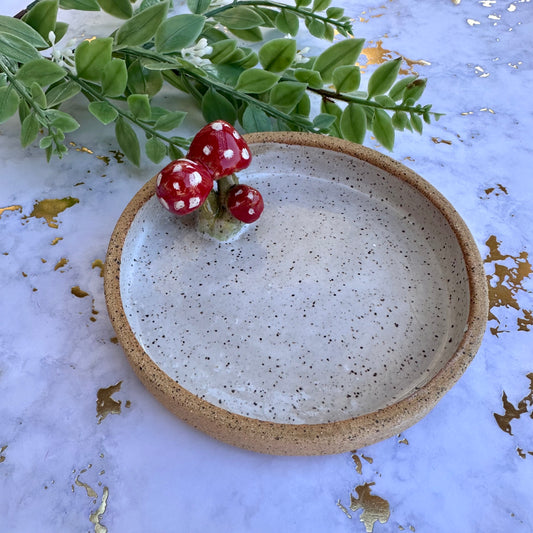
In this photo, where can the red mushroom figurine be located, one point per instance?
(183, 186)
(245, 203)
(221, 148)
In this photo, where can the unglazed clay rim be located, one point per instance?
(304, 439)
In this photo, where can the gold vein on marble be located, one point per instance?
(374, 507)
(49, 209)
(512, 412)
(10, 208)
(505, 283)
(106, 404)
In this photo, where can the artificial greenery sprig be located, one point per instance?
(237, 59)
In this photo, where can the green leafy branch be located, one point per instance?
(263, 87)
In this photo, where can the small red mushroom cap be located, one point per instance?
(183, 185)
(245, 203)
(221, 148)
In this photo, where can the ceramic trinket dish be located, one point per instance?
(337, 320)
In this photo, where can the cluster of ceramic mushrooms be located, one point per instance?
(216, 153)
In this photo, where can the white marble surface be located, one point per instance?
(143, 469)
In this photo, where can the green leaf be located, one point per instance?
(103, 111)
(353, 123)
(20, 29)
(334, 12)
(248, 61)
(323, 122)
(311, 77)
(414, 90)
(383, 129)
(42, 71)
(342, 53)
(178, 32)
(17, 49)
(303, 3)
(286, 95)
(143, 26)
(60, 30)
(255, 119)
(256, 81)
(331, 108)
(62, 121)
(278, 54)
(128, 141)
(61, 92)
(385, 100)
(416, 123)
(174, 152)
(29, 130)
(114, 77)
(215, 106)
(400, 120)
(38, 95)
(320, 5)
(346, 78)
(239, 18)
(383, 78)
(45, 142)
(316, 27)
(398, 89)
(170, 121)
(121, 9)
(82, 5)
(155, 150)
(222, 50)
(287, 22)
(198, 6)
(252, 35)
(303, 107)
(24, 110)
(139, 105)
(42, 17)
(9, 103)
(144, 81)
(91, 57)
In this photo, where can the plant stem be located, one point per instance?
(346, 26)
(214, 217)
(88, 90)
(208, 81)
(332, 95)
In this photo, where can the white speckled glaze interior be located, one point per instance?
(350, 293)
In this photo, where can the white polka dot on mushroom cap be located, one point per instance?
(179, 205)
(236, 134)
(159, 178)
(239, 191)
(228, 154)
(176, 185)
(194, 202)
(251, 211)
(177, 168)
(245, 154)
(217, 126)
(207, 149)
(250, 195)
(195, 178)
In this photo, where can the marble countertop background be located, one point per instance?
(85, 447)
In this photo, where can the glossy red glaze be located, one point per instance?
(220, 147)
(183, 185)
(245, 203)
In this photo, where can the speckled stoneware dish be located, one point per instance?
(339, 319)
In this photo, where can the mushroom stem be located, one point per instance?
(214, 217)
